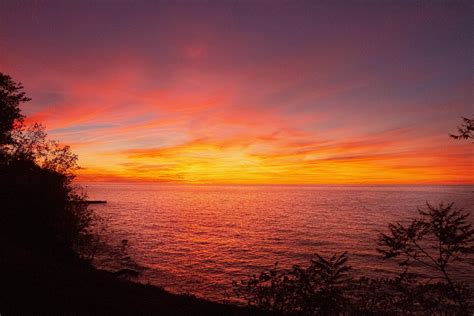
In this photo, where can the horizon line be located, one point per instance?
(275, 184)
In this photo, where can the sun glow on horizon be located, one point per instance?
(208, 163)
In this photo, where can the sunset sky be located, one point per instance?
(249, 92)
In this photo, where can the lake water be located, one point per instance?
(197, 238)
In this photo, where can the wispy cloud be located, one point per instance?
(281, 93)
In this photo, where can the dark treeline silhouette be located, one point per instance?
(37, 196)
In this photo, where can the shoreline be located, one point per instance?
(35, 284)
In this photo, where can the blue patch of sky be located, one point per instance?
(41, 99)
(81, 128)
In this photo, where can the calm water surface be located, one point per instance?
(197, 238)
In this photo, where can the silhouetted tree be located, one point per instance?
(31, 143)
(11, 95)
(40, 207)
(440, 237)
(466, 130)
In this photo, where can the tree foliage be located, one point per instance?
(441, 237)
(31, 143)
(466, 130)
(317, 289)
(11, 96)
(40, 207)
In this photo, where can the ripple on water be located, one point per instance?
(197, 239)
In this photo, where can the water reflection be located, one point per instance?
(197, 238)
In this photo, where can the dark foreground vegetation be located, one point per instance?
(48, 237)
(433, 243)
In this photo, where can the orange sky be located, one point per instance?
(249, 93)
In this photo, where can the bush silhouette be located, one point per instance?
(441, 237)
(317, 289)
